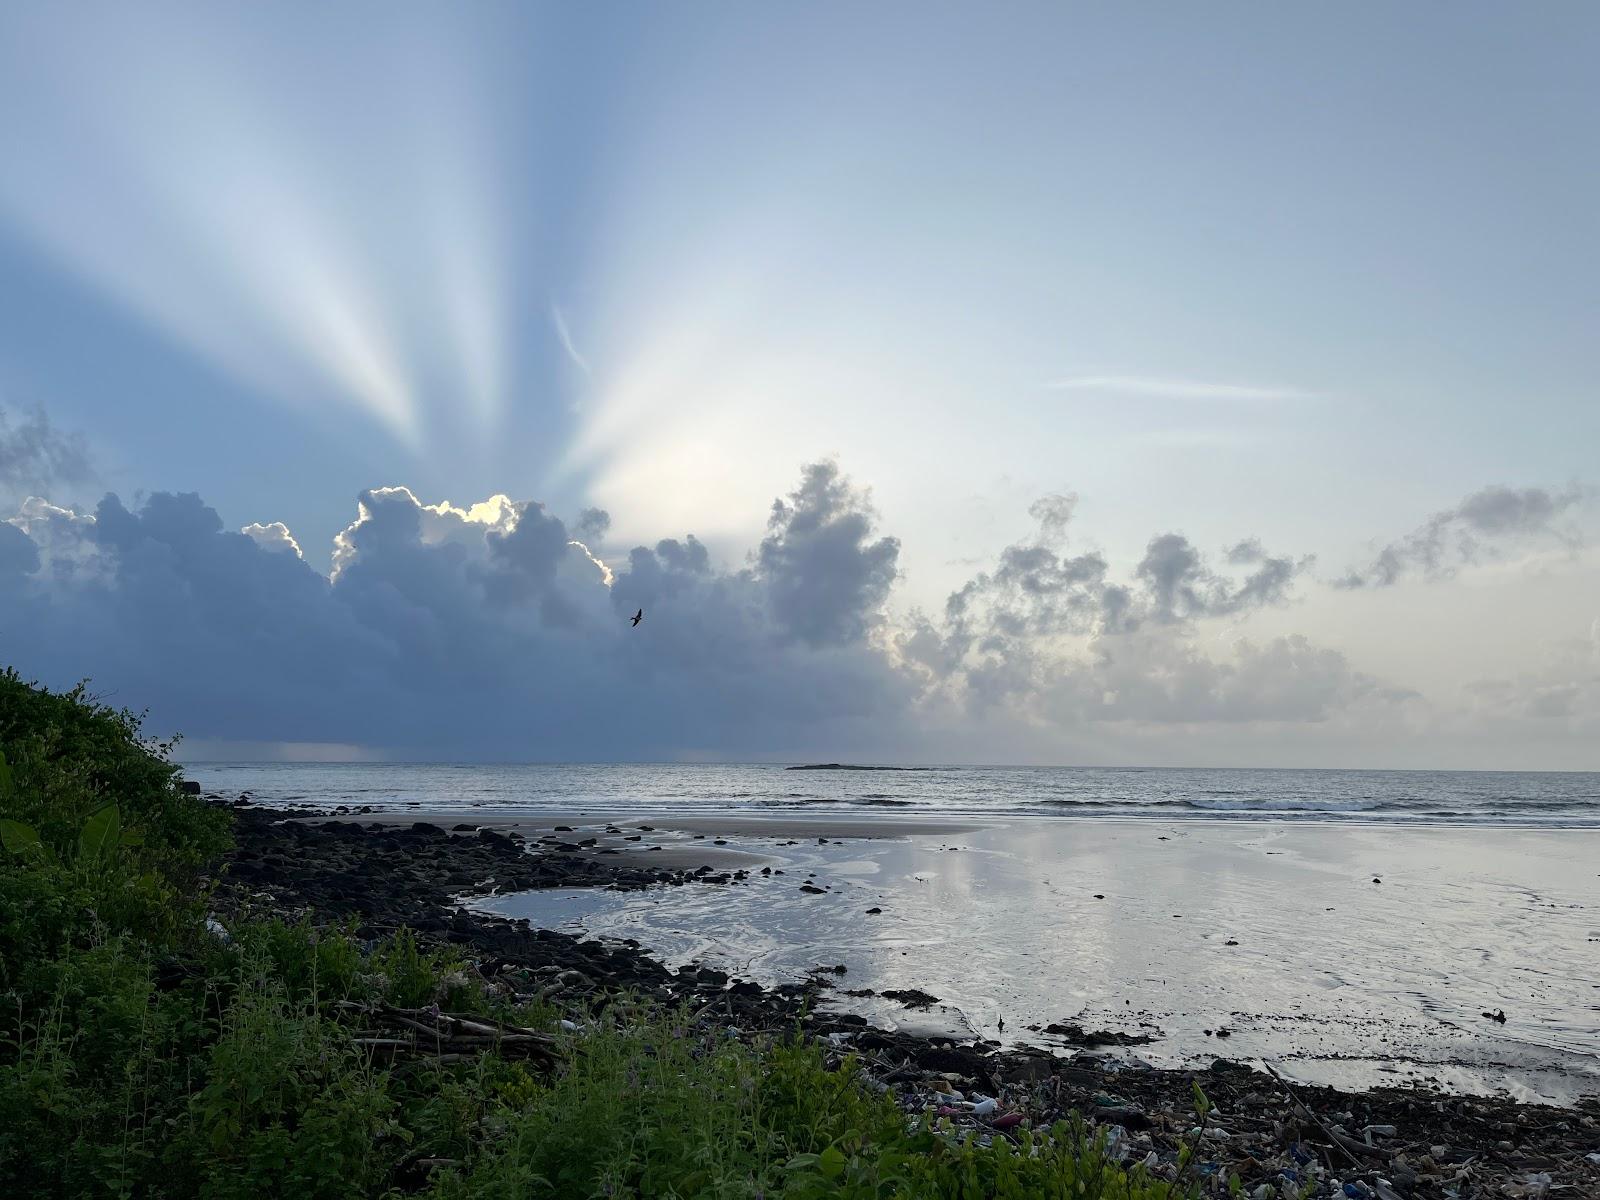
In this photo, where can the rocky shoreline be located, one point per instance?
(1299, 1140)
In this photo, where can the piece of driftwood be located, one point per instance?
(427, 1034)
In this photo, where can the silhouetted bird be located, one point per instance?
(637, 617)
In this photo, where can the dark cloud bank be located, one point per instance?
(500, 632)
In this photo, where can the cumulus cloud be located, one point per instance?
(274, 535)
(1180, 586)
(1037, 591)
(485, 630)
(495, 630)
(1487, 522)
(34, 455)
(826, 579)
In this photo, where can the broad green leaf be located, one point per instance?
(18, 838)
(101, 833)
(133, 837)
(831, 1163)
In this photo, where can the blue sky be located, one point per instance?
(1295, 274)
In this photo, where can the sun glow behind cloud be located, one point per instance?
(167, 170)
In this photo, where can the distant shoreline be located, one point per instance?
(833, 766)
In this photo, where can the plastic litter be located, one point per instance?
(984, 1107)
(1116, 1142)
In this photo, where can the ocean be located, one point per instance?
(1520, 798)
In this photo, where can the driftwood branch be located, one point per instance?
(428, 1035)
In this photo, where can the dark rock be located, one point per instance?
(913, 998)
(1128, 1118)
(1077, 1035)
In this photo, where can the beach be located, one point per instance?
(1349, 927)
(1343, 955)
(1129, 961)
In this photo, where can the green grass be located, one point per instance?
(142, 1056)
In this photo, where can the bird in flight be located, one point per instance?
(637, 617)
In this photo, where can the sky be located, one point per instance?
(1142, 383)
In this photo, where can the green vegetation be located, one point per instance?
(143, 1054)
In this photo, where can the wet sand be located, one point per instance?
(1276, 934)
(674, 841)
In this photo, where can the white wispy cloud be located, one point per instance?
(1174, 389)
(559, 320)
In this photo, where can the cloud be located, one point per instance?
(1053, 512)
(18, 554)
(592, 525)
(1036, 591)
(1168, 679)
(1559, 689)
(490, 630)
(477, 631)
(1180, 587)
(273, 536)
(826, 579)
(1174, 389)
(558, 319)
(1485, 523)
(34, 455)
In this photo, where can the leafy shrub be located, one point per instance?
(70, 755)
(289, 1107)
